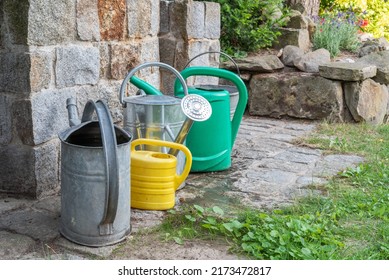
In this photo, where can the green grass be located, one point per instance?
(350, 222)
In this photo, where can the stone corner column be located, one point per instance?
(188, 28)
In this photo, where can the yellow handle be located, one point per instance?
(179, 178)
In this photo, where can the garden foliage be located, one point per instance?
(373, 14)
(249, 25)
(337, 32)
(348, 220)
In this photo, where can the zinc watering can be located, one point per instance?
(153, 115)
(211, 141)
(95, 178)
(154, 179)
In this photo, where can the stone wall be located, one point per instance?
(308, 86)
(296, 81)
(51, 50)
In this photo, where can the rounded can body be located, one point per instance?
(84, 190)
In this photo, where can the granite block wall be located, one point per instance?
(51, 50)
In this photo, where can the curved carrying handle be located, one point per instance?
(147, 88)
(108, 137)
(188, 164)
(222, 53)
(225, 74)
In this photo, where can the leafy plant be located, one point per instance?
(191, 221)
(264, 236)
(251, 24)
(281, 236)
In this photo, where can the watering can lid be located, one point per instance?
(153, 100)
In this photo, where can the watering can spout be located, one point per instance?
(71, 105)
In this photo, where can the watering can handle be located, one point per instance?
(147, 88)
(222, 53)
(225, 74)
(154, 142)
(108, 137)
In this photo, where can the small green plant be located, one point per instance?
(191, 221)
(249, 25)
(281, 236)
(336, 33)
(338, 144)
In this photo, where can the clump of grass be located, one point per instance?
(337, 32)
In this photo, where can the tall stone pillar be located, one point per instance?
(188, 28)
(51, 50)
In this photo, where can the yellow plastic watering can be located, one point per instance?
(154, 180)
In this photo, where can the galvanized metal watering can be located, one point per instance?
(154, 115)
(157, 116)
(148, 116)
(95, 178)
(211, 141)
(154, 179)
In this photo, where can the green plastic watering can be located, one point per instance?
(163, 111)
(211, 141)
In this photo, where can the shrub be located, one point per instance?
(251, 24)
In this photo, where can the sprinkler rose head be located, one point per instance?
(196, 107)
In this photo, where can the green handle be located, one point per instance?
(225, 74)
(148, 89)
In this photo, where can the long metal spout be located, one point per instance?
(181, 136)
(71, 105)
(195, 108)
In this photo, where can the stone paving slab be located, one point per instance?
(14, 245)
(39, 225)
(91, 252)
(332, 164)
(268, 170)
(10, 203)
